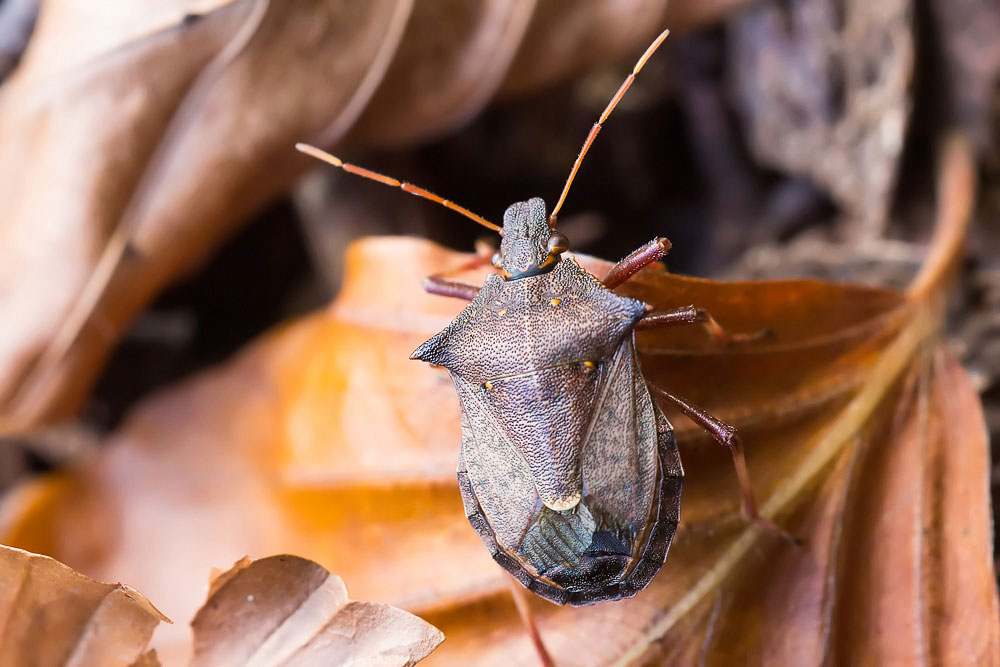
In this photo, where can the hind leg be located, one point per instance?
(726, 435)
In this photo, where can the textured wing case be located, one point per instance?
(632, 476)
(569, 471)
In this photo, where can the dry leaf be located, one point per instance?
(863, 437)
(281, 610)
(136, 136)
(51, 615)
(286, 610)
(824, 89)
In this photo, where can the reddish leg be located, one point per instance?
(643, 257)
(692, 315)
(441, 287)
(528, 619)
(438, 284)
(639, 259)
(726, 435)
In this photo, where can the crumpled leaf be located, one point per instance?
(51, 615)
(863, 437)
(138, 135)
(286, 610)
(282, 610)
(823, 86)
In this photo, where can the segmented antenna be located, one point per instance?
(604, 116)
(312, 151)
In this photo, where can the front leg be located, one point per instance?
(643, 257)
(637, 260)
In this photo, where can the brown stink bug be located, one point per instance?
(569, 470)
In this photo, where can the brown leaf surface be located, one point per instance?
(51, 615)
(136, 136)
(286, 610)
(863, 437)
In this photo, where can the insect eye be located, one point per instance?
(558, 244)
(497, 260)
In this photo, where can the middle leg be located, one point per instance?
(693, 315)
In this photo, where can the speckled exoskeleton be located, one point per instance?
(569, 470)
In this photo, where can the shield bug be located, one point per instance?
(569, 470)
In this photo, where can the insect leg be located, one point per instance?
(692, 315)
(638, 259)
(442, 287)
(528, 619)
(726, 435)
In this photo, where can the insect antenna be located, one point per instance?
(604, 116)
(312, 151)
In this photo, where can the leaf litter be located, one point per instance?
(281, 610)
(322, 440)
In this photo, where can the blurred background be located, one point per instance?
(155, 218)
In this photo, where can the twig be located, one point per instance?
(956, 193)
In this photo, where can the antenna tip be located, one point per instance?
(307, 149)
(312, 151)
(649, 51)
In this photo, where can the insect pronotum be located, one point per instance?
(569, 470)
